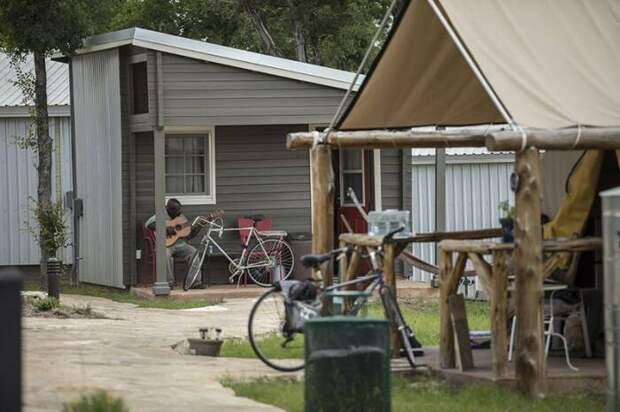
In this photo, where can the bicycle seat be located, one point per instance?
(314, 261)
(255, 217)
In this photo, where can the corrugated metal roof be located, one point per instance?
(57, 83)
(455, 151)
(215, 53)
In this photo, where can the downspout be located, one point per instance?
(76, 218)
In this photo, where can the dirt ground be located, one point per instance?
(130, 355)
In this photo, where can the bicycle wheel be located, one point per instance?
(193, 271)
(270, 261)
(395, 317)
(271, 339)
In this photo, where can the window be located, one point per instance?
(190, 168)
(352, 175)
(140, 88)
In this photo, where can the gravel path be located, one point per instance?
(130, 355)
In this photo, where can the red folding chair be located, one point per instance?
(149, 255)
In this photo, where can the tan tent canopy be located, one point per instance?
(546, 65)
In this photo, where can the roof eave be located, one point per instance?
(139, 38)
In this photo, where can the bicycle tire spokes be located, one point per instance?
(270, 336)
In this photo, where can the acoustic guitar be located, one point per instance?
(183, 228)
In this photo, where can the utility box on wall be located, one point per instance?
(611, 253)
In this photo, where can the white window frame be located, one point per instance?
(197, 199)
(342, 171)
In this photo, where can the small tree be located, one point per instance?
(40, 28)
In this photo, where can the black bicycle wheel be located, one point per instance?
(192, 272)
(271, 341)
(395, 317)
(272, 259)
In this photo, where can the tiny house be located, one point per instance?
(223, 114)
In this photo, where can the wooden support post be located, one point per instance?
(323, 192)
(449, 277)
(446, 333)
(458, 316)
(530, 360)
(499, 308)
(389, 258)
(161, 286)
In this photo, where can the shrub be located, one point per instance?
(46, 304)
(99, 401)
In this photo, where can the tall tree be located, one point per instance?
(40, 28)
(333, 33)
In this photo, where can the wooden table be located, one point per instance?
(391, 250)
(495, 277)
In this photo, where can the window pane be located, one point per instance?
(195, 145)
(351, 159)
(195, 164)
(195, 184)
(174, 164)
(174, 146)
(174, 184)
(352, 180)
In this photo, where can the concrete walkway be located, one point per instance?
(130, 356)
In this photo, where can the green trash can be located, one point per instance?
(347, 365)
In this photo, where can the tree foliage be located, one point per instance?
(333, 33)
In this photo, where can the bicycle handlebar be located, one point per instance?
(390, 235)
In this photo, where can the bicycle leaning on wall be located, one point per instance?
(265, 256)
(276, 322)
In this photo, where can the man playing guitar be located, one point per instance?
(178, 230)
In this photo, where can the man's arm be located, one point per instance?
(150, 223)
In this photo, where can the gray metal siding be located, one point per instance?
(198, 93)
(473, 192)
(391, 182)
(255, 174)
(18, 184)
(98, 145)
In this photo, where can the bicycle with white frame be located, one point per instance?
(265, 256)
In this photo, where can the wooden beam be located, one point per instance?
(384, 139)
(389, 278)
(499, 308)
(603, 138)
(375, 241)
(530, 359)
(458, 316)
(449, 276)
(323, 192)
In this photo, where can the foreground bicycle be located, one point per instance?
(276, 323)
(265, 256)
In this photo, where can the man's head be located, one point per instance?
(173, 207)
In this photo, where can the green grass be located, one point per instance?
(422, 315)
(122, 296)
(423, 395)
(240, 348)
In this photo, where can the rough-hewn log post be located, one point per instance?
(446, 333)
(390, 280)
(499, 303)
(323, 191)
(530, 365)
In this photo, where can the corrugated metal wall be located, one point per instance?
(18, 184)
(473, 191)
(98, 148)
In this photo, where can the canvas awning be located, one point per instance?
(548, 65)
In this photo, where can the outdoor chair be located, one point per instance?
(557, 310)
(148, 255)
